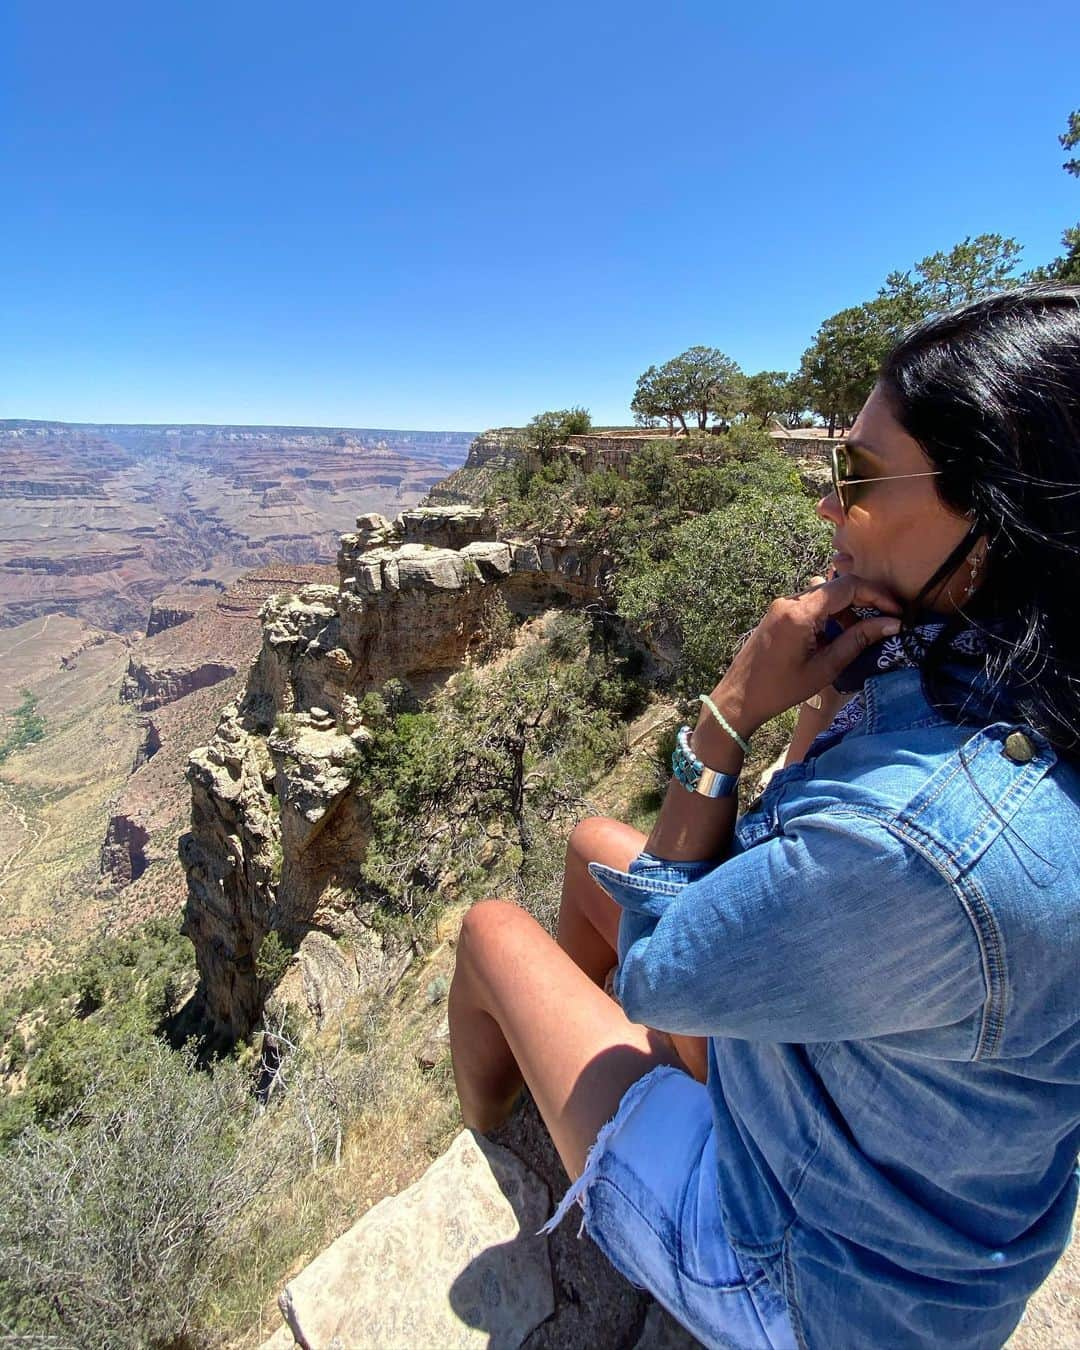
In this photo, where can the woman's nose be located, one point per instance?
(828, 508)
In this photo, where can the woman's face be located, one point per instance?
(897, 533)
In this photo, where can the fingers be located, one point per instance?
(812, 583)
(838, 655)
(847, 590)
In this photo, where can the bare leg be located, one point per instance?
(589, 919)
(520, 1008)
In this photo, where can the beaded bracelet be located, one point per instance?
(743, 745)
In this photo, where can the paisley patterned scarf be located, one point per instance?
(906, 651)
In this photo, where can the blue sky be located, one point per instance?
(453, 216)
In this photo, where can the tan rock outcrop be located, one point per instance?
(279, 815)
(452, 1261)
(150, 686)
(123, 854)
(232, 859)
(176, 607)
(489, 453)
(319, 981)
(445, 526)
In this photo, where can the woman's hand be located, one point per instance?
(785, 659)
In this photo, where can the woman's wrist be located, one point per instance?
(713, 743)
(732, 703)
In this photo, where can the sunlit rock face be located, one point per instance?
(280, 821)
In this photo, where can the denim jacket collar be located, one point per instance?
(896, 701)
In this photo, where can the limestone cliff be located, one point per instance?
(278, 824)
(489, 452)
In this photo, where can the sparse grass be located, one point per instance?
(56, 795)
(27, 726)
(408, 1118)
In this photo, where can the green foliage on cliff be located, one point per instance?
(667, 482)
(112, 1220)
(273, 958)
(26, 725)
(150, 1200)
(89, 1023)
(723, 571)
(550, 429)
(702, 534)
(487, 766)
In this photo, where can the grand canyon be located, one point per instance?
(133, 564)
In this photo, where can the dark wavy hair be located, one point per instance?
(991, 392)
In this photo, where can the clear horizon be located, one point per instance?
(441, 220)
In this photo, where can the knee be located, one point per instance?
(587, 840)
(485, 929)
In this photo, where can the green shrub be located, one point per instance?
(273, 959)
(568, 635)
(277, 859)
(27, 726)
(114, 1221)
(724, 570)
(92, 1021)
(489, 763)
(285, 725)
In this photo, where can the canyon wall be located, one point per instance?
(279, 817)
(96, 521)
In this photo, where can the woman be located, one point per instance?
(881, 956)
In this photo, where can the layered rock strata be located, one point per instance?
(96, 521)
(151, 687)
(489, 453)
(177, 607)
(279, 823)
(170, 678)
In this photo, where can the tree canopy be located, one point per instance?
(1070, 139)
(701, 383)
(774, 393)
(548, 430)
(841, 364)
(1067, 267)
(941, 280)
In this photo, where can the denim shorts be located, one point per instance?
(649, 1192)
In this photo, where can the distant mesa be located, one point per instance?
(176, 607)
(98, 520)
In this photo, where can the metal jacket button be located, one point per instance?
(1019, 748)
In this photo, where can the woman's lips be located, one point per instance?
(840, 559)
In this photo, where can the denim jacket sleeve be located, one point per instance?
(835, 930)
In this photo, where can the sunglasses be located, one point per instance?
(845, 485)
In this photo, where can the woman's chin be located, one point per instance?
(842, 564)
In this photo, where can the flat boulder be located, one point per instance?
(415, 567)
(453, 1261)
(492, 558)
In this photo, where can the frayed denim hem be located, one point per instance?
(630, 1099)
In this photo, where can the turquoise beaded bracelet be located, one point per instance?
(743, 745)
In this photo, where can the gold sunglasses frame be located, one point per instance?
(839, 483)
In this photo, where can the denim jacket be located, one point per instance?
(888, 969)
